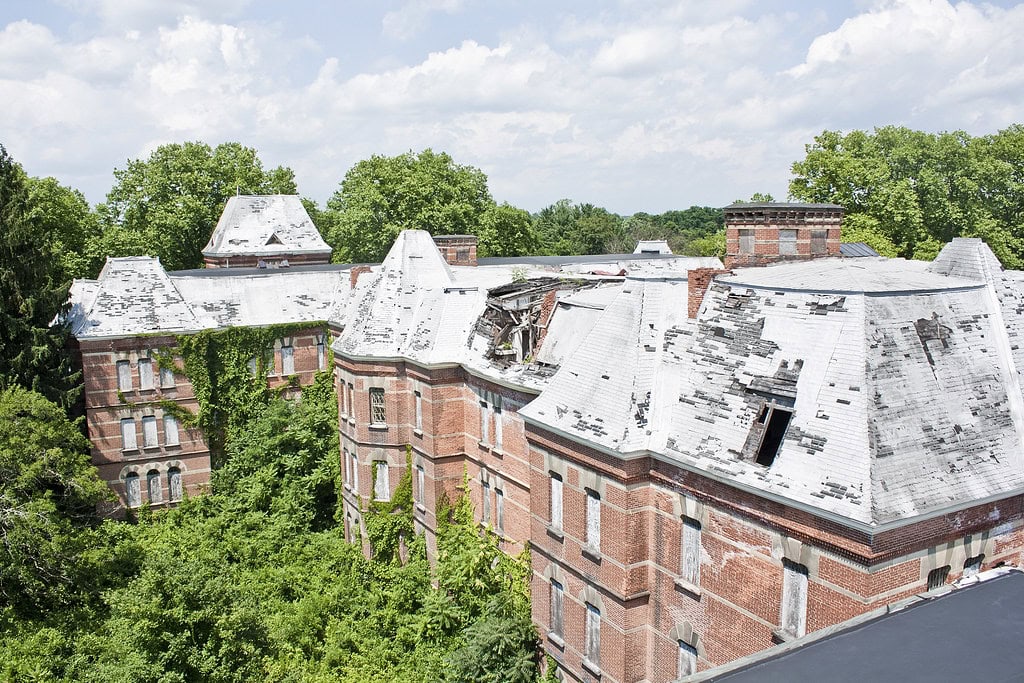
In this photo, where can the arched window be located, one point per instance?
(174, 484)
(132, 491)
(156, 494)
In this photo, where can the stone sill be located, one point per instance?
(594, 669)
(352, 421)
(418, 432)
(421, 507)
(556, 640)
(377, 427)
(591, 554)
(687, 587)
(556, 534)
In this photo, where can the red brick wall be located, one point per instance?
(106, 406)
(743, 542)
(766, 223)
(697, 282)
(457, 250)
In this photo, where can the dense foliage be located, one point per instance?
(167, 205)
(568, 228)
(906, 192)
(33, 291)
(254, 581)
(381, 196)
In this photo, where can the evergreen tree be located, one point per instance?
(33, 292)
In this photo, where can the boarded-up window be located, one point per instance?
(343, 400)
(167, 378)
(149, 438)
(592, 646)
(499, 510)
(687, 663)
(252, 366)
(132, 490)
(497, 422)
(418, 398)
(321, 352)
(355, 470)
(793, 614)
(145, 374)
(485, 493)
(351, 400)
(348, 467)
(556, 501)
(787, 242)
(153, 488)
(819, 242)
(378, 415)
(593, 520)
(746, 240)
(937, 577)
(174, 483)
(485, 423)
(171, 430)
(381, 483)
(124, 375)
(287, 360)
(420, 484)
(128, 440)
(691, 551)
(972, 565)
(557, 593)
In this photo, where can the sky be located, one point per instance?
(628, 104)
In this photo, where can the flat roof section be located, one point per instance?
(969, 634)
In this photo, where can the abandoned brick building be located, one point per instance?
(801, 443)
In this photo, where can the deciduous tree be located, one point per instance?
(381, 196)
(168, 204)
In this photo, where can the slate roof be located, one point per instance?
(856, 249)
(970, 633)
(905, 392)
(415, 306)
(135, 296)
(652, 246)
(265, 225)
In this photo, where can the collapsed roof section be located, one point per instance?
(265, 225)
(877, 390)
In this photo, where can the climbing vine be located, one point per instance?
(389, 523)
(228, 373)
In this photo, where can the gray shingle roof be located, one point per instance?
(263, 225)
(905, 392)
(135, 296)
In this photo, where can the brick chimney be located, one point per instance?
(354, 273)
(759, 233)
(697, 283)
(457, 250)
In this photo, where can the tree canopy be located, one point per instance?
(907, 192)
(34, 289)
(381, 196)
(168, 204)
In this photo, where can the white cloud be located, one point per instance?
(413, 16)
(636, 106)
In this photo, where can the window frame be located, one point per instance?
(747, 241)
(690, 547)
(593, 519)
(418, 410)
(592, 636)
(174, 475)
(556, 608)
(790, 242)
(132, 485)
(793, 606)
(154, 483)
(172, 433)
(287, 359)
(146, 382)
(150, 433)
(123, 371)
(381, 481)
(378, 407)
(134, 441)
(557, 485)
